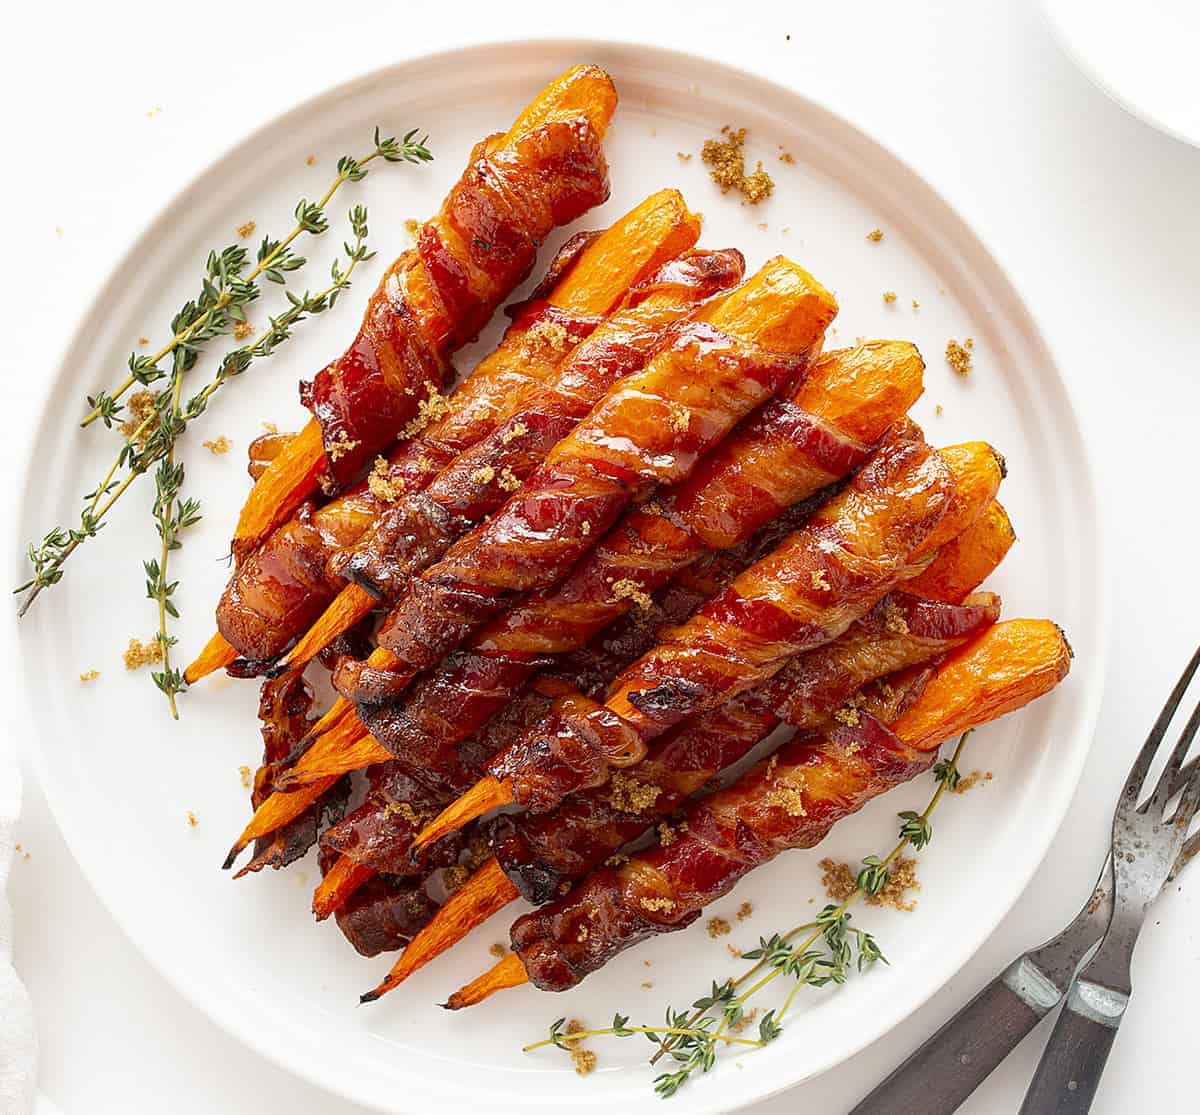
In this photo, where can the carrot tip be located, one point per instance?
(487, 794)
(234, 852)
(370, 996)
(216, 653)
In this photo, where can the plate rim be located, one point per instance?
(967, 943)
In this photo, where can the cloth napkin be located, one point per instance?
(18, 1041)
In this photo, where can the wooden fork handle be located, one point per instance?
(1073, 1061)
(943, 1072)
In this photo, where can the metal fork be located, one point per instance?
(939, 1076)
(1145, 845)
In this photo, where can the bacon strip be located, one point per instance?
(789, 801)
(545, 171)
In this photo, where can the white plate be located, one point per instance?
(1145, 61)
(122, 777)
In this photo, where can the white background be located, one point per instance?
(1094, 213)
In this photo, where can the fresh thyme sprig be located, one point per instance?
(226, 292)
(154, 438)
(831, 948)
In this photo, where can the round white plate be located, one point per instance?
(1145, 61)
(122, 777)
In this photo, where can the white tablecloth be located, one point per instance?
(1094, 213)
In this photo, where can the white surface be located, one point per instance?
(1146, 63)
(406, 1051)
(1097, 230)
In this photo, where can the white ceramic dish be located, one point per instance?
(121, 777)
(1147, 63)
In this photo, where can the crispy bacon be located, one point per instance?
(541, 851)
(806, 592)
(480, 247)
(789, 801)
(286, 584)
(417, 531)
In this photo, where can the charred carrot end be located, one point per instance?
(977, 469)
(275, 812)
(348, 607)
(509, 972)
(289, 478)
(862, 390)
(216, 655)
(631, 249)
(348, 747)
(582, 91)
(1011, 664)
(964, 562)
(487, 794)
(482, 895)
(342, 880)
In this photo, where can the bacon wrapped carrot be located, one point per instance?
(418, 528)
(537, 854)
(547, 170)
(790, 801)
(881, 530)
(279, 591)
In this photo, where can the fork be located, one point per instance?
(1146, 842)
(939, 1076)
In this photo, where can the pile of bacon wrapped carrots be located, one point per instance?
(656, 526)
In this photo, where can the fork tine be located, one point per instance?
(1167, 783)
(1190, 847)
(1141, 765)
(1190, 802)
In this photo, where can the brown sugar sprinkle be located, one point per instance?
(734, 951)
(916, 304)
(894, 620)
(847, 716)
(889, 296)
(270, 427)
(668, 835)
(141, 406)
(218, 446)
(616, 860)
(938, 410)
(143, 341)
(327, 484)
(413, 228)
(509, 480)
(381, 485)
(717, 927)
(454, 877)
(550, 334)
(247, 776)
(875, 235)
(432, 407)
(680, 418)
(584, 1059)
(840, 882)
(514, 431)
(498, 951)
(311, 160)
(586, 528)
(647, 984)
(819, 581)
(655, 904)
(683, 156)
(402, 809)
(242, 330)
(340, 446)
(728, 164)
(786, 156)
(958, 356)
(627, 589)
(139, 654)
(629, 795)
(246, 230)
(972, 780)
(484, 475)
(89, 675)
(191, 819)
(745, 910)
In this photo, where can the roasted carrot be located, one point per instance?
(792, 801)
(439, 294)
(341, 881)
(277, 593)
